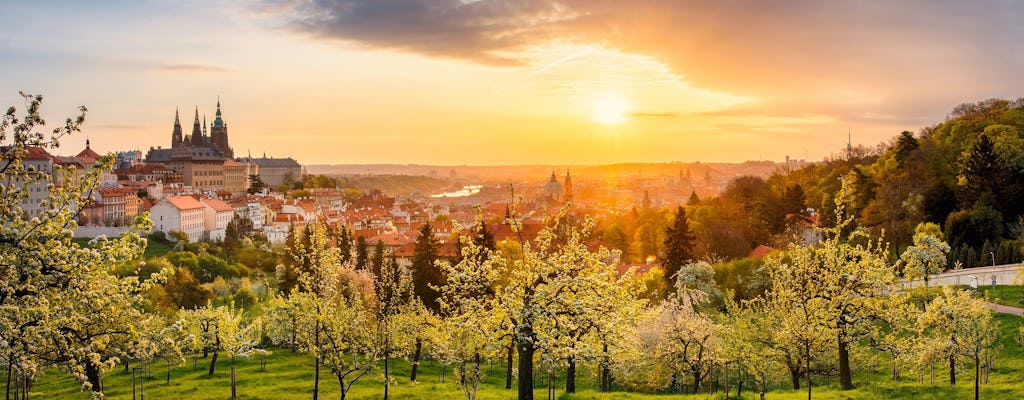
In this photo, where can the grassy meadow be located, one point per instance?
(289, 376)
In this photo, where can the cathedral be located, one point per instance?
(199, 157)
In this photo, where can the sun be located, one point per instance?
(609, 109)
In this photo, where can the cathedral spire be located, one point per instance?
(176, 139)
(197, 131)
(218, 122)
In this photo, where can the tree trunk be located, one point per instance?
(416, 359)
(977, 375)
(807, 353)
(696, 380)
(570, 376)
(726, 380)
(606, 373)
(526, 351)
(387, 379)
(233, 393)
(508, 365)
(92, 375)
(213, 364)
(794, 376)
(295, 323)
(845, 375)
(551, 386)
(952, 370)
(316, 377)
(341, 386)
(10, 370)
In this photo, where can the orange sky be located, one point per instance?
(499, 82)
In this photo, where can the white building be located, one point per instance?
(180, 213)
(216, 216)
(38, 165)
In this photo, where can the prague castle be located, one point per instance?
(200, 158)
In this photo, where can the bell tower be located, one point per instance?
(219, 134)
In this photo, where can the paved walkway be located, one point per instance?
(999, 308)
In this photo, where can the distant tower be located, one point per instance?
(647, 200)
(567, 188)
(176, 139)
(219, 134)
(849, 144)
(197, 132)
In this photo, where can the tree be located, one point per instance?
(963, 326)
(538, 288)
(377, 260)
(393, 287)
(690, 338)
(833, 288)
(693, 200)
(330, 320)
(256, 184)
(928, 254)
(238, 229)
(184, 291)
(60, 303)
(980, 172)
(362, 254)
(906, 143)
(427, 277)
(679, 243)
(344, 243)
(427, 280)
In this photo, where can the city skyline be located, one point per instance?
(495, 83)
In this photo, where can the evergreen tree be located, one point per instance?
(694, 200)
(256, 184)
(679, 242)
(906, 143)
(980, 172)
(344, 243)
(362, 253)
(239, 228)
(424, 273)
(793, 200)
(378, 257)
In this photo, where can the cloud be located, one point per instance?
(850, 58)
(123, 127)
(653, 115)
(191, 68)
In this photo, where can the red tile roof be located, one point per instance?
(218, 205)
(185, 202)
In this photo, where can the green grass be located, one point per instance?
(1005, 295)
(289, 376)
(154, 248)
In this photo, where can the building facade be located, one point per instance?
(180, 213)
(277, 171)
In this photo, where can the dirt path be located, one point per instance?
(999, 308)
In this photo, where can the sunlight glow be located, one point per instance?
(609, 109)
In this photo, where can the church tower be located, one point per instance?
(219, 134)
(567, 188)
(176, 139)
(197, 131)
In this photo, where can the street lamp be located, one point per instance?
(993, 257)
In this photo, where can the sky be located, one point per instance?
(497, 82)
